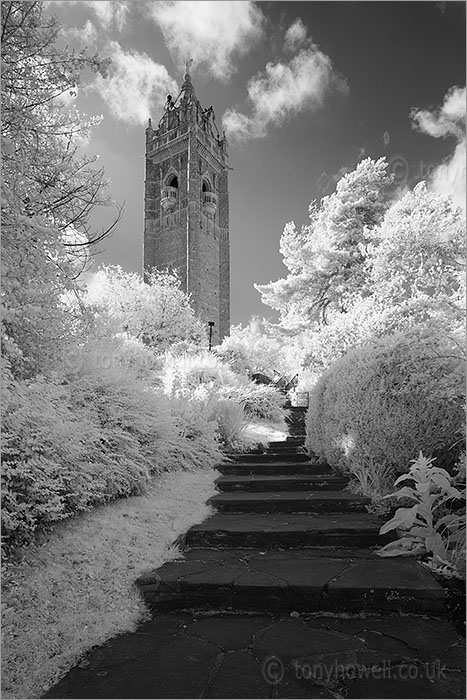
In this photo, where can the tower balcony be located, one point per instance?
(210, 202)
(169, 197)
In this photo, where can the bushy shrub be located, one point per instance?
(257, 400)
(230, 398)
(231, 424)
(69, 444)
(185, 375)
(204, 376)
(383, 402)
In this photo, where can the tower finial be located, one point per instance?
(188, 64)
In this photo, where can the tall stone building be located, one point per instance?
(186, 205)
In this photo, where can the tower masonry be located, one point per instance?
(186, 205)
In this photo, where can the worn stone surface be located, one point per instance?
(179, 668)
(234, 633)
(291, 638)
(292, 686)
(279, 482)
(239, 674)
(290, 502)
(336, 620)
(399, 582)
(265, 457)
(406, 682)
(192, 656)
(273, 467)
(271, 530)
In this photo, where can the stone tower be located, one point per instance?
(186, 205)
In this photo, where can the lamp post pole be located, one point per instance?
(210, 324)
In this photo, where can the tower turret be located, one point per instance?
(186, 208)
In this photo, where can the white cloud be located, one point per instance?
(448, 178)
(136, 87)
(86, 34)
(295, 35)
(213, 33)
(285, 89)
(109, 13)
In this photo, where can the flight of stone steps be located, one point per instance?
(287, 536)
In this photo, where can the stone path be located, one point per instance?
(279, 594)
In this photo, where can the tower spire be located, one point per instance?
(187, 86)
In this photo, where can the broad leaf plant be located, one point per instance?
(434, 526)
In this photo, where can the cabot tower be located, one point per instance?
(186, 204)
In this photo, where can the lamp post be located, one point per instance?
(210, 324)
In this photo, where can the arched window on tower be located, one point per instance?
(169, 193)
(209, 198)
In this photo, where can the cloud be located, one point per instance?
(285, 89)
(110, 14)
(295, 35)
(136, 87)
(448, 178)
(86, 34)
(212, 33)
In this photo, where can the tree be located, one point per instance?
(261, 346)
(416, 277)
(156, 311)
(366, 267)
(420, 249)
(48, 187)
(328, 258)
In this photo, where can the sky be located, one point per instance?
(304, 90)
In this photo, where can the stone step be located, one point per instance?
(295, 439)
(288, 444)
(297, 431)
(303, 581)
(295, 482)
(258, 458)
(290, 530)
(300, 449)
(290, 502)
(283, 467)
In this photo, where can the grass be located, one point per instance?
(74, 587)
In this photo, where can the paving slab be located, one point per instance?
(292, 638)
(396, 583)
(285, 581)
(188, 655)
(262, 483)
(289, 502)
(259, 458)
(238, 674)
(275, 467)
(285, 530)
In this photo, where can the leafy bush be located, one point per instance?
(206, 378)
(71, 444)
(186, 375)
(155, 309)
(230, 423)
(257, 400)
(431, 526)
(384, 401)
